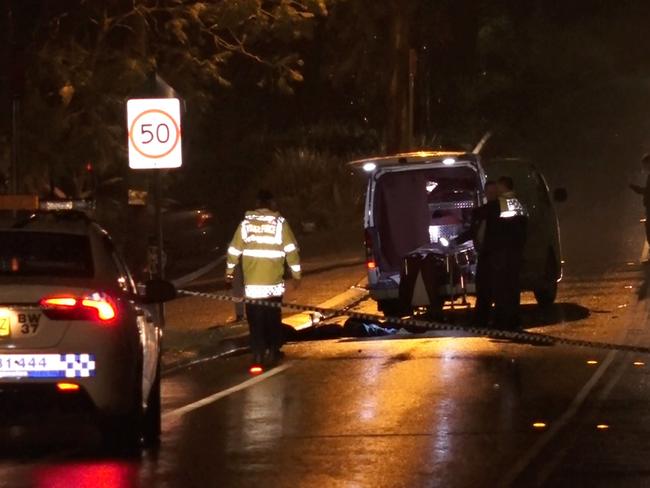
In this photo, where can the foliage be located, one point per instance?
(90, 56)
(315, 186)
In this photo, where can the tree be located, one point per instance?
(89, 56)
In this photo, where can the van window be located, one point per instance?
(415, 208)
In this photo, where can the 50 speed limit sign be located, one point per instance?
(154, 133)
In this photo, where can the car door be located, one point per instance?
(147, 328)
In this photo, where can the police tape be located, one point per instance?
(511, 335)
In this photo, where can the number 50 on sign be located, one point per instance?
(154, 133)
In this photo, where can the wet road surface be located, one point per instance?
(426, 410)
(417, 410)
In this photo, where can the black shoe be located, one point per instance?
(274, 356)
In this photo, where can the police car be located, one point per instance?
(75, 335)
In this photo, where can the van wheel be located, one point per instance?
(547, 294)
(393, 308)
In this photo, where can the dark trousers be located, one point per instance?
(507, 289)
(484, 290)
(265, 325)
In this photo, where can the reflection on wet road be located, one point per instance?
(418, 410)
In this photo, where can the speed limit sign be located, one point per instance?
(154, 133)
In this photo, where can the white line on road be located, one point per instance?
(179, 412)
(520, 466)
(523, 462)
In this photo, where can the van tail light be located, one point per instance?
(95, 307)
(370, 252)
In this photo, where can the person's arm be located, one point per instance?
(290, 246)
(478, 215)
(234, 253)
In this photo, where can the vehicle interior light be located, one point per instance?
(369, 167)
(448, 161)
(67, 387)
(539, 425)
(444, 241)
(602, 426)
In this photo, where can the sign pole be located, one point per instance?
(160, 269)
(154, 142)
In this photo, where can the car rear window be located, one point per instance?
(45, 254)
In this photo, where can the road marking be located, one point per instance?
(522, 464)
(623, 365)
(519, 467)
(179, 412)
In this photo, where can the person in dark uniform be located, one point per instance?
(482, 232)
(510, 231)
(645, 191)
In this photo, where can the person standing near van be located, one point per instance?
(264, 242)
(645, 191)
(510, 235)
(484, 224)
(482, 232)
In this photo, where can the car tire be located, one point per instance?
(546, 294)
(125, 431)
(393, 308)
(151, 425)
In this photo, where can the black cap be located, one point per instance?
(264, 196)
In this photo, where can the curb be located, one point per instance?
(201, 346)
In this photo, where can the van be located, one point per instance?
(418, 203)
(542, 267)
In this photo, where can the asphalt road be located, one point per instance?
(406, 411)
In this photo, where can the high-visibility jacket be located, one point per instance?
(264, 241)
(511, 228)
(510, 206)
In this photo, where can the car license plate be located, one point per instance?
(47, 365)
(19, 322)
(5, 326)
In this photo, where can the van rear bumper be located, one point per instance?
(384, 289)
(390, 291)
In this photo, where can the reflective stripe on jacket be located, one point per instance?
(510, 206)
(264, 241)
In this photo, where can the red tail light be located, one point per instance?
(203, 218)
(97, 307)
(65, 387)
(370, 252)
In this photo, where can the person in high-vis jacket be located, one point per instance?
(264, 242)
